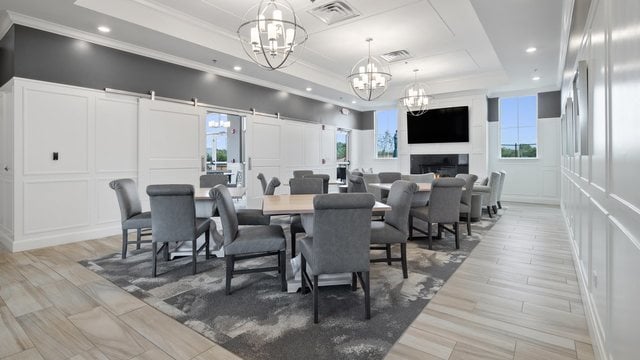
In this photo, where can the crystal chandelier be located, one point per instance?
(369, 77)
(271, 33)
(415, 97)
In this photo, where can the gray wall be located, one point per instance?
(7, 47)
(493, 109)
(54, 58)
(368, 119)
(548, 106)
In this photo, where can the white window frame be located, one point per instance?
(375, 134)
(500, 129)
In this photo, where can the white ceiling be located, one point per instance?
(458, 45)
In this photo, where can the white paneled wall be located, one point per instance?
(600, 197)
(530, 180)
(6, 164)
(476, 147)
(95, 136)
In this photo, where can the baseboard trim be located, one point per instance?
(65, 238)
(6, 241)
(595, 329)
(530, 200)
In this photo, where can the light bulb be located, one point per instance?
(290, 35)
(262, 24)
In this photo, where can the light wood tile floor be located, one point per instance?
(516, 297)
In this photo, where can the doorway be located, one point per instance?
(223, 141)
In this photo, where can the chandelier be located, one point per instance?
(271, 33)
(369, 77)
(415, 97)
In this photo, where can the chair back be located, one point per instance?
(341, 233)
(356, 184)
(399, 199)
(263, 183)
(389, 177)
(444, 202)
(422, 178)
(356, 173)
(128, 198)
(503, 174)
(271, 187)
(211, 180)
(372, 178)
(174, 212)
(469, 179)
(305, 186)
(323, 177)
(494, 184)
(301, 173)
(228, 216)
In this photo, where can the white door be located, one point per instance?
(262, 145)
(171, 144)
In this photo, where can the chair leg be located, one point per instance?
(495, 209)
(303, 273)
(354, 282)
(364, 280)
(229, 261)
(125, 243)
(165, 251)
(293, 244)
(410, 227)
(429, 234)
(194, 255)
(499, 205)
(154, 257)
(403, 256)
(469, 224)
(388, 248)
(489, 211)
(282, 258)
(456, 229)
(138, 238)
(207, 251)
(315, 299)
(439, 231)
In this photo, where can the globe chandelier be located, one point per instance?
(271, 34)
(415, 97)
(370, 77)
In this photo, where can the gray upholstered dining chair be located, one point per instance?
(490, 193)
(174, 220)
(211, 180)
(131, 214)
(300, 173)
(465, 200)
(301, 186)
(444, 208)
(372, 178)
(387, 178)
(255, 216)
(356, 184)
(263, 182)
(395, 227)
(248, 242)
(325, 181)
(340, 243)
(356, 173)
(503, 175)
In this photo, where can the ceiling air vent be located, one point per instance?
(334, 12)
(398, 55)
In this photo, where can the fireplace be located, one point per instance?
(441, 164)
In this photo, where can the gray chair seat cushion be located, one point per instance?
(257, 239)
(421, 213)
(482, 188)
(252, 217)
(464, 208)
(142, 220)
(383, 233)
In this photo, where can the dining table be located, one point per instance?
(422, 187)
(302, 204)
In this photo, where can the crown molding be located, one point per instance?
(25, 20)
(5, 23)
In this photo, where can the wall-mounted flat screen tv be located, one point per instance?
(444, 125)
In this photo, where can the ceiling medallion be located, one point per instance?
(415, 97)
(271, 34)
(369, 77)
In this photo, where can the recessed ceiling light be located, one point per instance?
(531, 50)
(353, 101)
(237, 68)
(309, 89)
(535, 78)
(104, 29)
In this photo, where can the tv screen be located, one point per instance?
(439, 126)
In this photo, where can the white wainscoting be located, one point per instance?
(600, 197)
(6, 164)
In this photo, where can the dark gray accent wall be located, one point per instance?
(54, 58)
(549, 104)
(7, 48)
(367, 122)
(493, 109)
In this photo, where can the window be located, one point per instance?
(386, 130)
(519, 127)
(342, 146)
(216, 130)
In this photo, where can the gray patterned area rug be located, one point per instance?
(257, 321)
